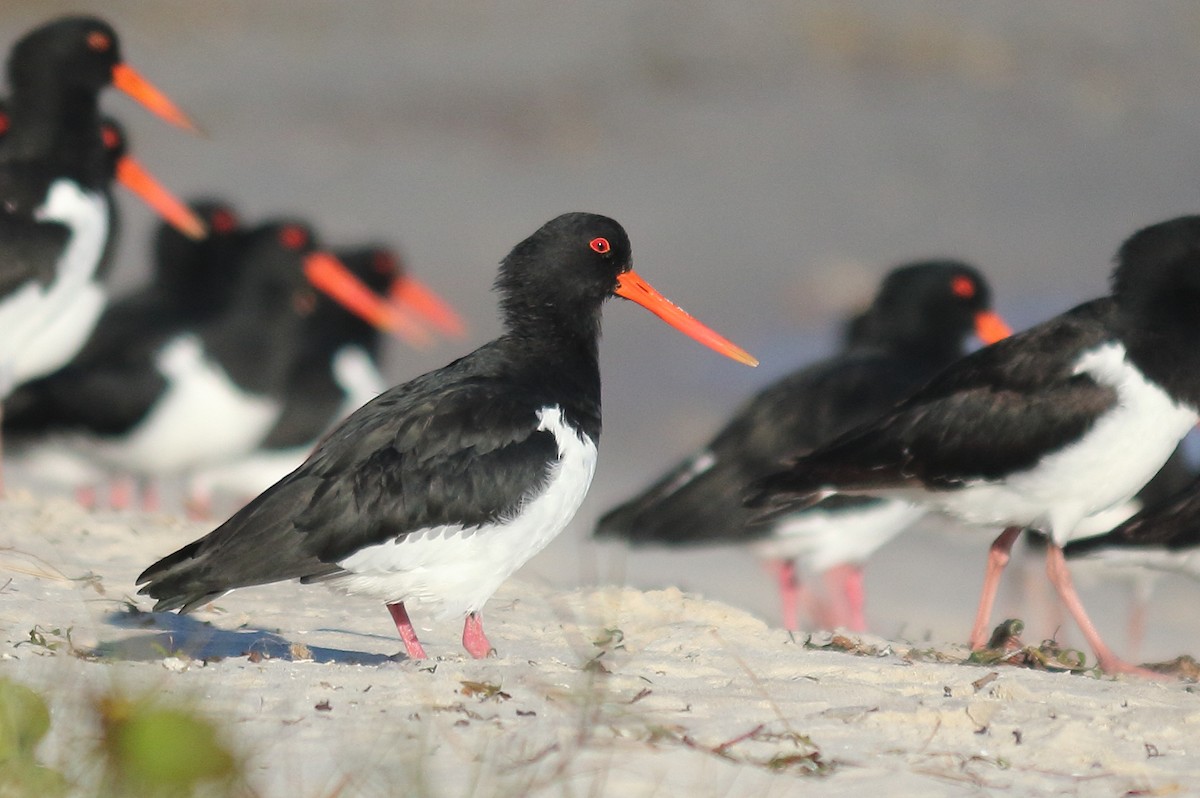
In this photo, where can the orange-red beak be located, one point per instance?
(131, 175)
(328, 274)
(411, 294)
(990, 327)
(633, 287)
(129, 81)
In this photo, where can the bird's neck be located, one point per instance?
(61, 124)
(561, 362)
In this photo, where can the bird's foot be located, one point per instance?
(474, 640)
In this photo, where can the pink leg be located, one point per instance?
(150, 498)
(474, 640)
(120, 492)
(1140, 601)
(845, 583)
(198, 506)
(997, 558)
(1137, 625)
(407, 633)
(86, 496)
(1060, 577)
(789, 592)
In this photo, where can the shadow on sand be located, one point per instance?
(169, 634)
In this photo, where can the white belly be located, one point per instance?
(819, 540)
(202, 418)
(31, 310)
(250, 475)
(360, 381)
(1111, 463)
(357, 375)
(452, 571)
(62, 337)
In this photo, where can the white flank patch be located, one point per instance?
(33, 310)
(62, 337)
(452, 571)
(819, 540)
(202, 418)
(1122, 451)
(357, 375)
(246, 477)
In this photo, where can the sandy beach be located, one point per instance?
(600, 691)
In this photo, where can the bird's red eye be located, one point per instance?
(222, 221)
(293, 237)
(99, 41)
(963, 287)
(599, 245)
(383, 263)
(110, 137)
(3, 124)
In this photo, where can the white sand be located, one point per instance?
(682, 678)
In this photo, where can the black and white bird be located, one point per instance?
(439, 489)
(177, 398)
(335, 371)
(918, 324)
(1042, 429)
(55, 211)
(88, 308)
(192, 283)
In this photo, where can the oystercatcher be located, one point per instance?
(181, 399)
(54, 211)
(62, 336)
(1044, 428)
(917, 324)
(191, 284)
(440, 488)
(335, 371)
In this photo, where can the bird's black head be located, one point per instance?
(199, 275)
(554, 282)
(1156, 288)
(1159, 266)
(269, 262)
(564, 271)
(377, 265)
(931, 306)
(378, 268)
(79, 52)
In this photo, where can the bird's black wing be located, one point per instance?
(29, 251)
(107, 389)
(996, 411)
(699, 501)
(424, 454)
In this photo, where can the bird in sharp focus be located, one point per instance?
(433, 493)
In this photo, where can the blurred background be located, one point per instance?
(770, 160)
